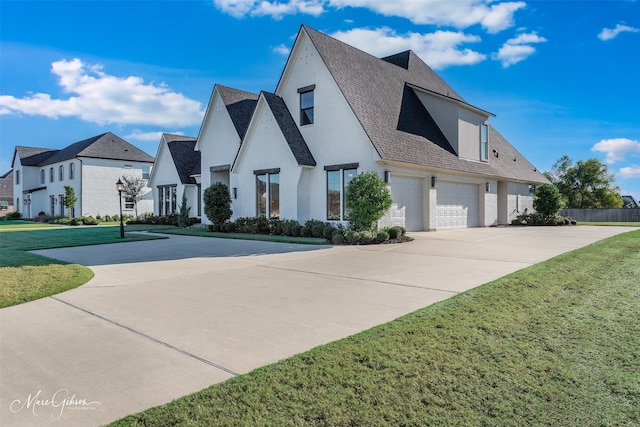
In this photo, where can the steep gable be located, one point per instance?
(184, 157)
(240, 105)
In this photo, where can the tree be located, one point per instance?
(217, 203)
(548, 200)
(70, 198)
(368, 198)
(586, 184)
(183, 214)
(132, 188)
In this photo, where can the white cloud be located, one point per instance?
(518, 49)
(494, 17)
(612, 33)
(275, 9)
(439, 49)
(632, 171)
(101, 98)
(617, 148)
(281, 49)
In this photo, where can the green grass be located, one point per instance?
(26, 277)
(616, 224)
(554, 344)
(203, 232)
(17, 224)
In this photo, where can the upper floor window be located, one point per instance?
(306, 105)
(145, 172)
(61, 173)
(41, 176)
(51, 175)
(17, 177)
(484, 142)
(72, 170)
(338, 179)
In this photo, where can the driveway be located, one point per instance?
(165, 318)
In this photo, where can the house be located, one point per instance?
(174, 174)
(6, 193)
(337, 112)
(91, 167)
(630, 202)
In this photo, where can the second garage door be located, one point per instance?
(457, 205)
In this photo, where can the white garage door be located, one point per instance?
(457, 205)
(407, 193)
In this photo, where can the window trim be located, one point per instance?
(72, 170)
(42, 176)
(342, 169)
(61, 173)
(267, 173)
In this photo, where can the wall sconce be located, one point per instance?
(487, 186)
(387, 176)
(433, 181)
(235, 192)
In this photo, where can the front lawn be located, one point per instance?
(613, 224)
(554, 344)
(25, 276)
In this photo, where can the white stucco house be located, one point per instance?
(174, 174)
(337, 112)
(91, 166)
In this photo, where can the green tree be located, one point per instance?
(70, 198)
(183, 214)
(368, 198)
(548, 200)
(217, 203)
(586, 184)
(133, 189)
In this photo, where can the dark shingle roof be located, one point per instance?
(289, 130)
(240, 105)
(105, 146)
(6, 186)
(378, 93)
(185, 158)
(32, 156)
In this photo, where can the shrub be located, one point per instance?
(107, 218)
(548, 200)
(337, 238)
(290, 227)
(317, 230)
(394, 232)
(228, 227)
(382, 236)
(183, 214)
(275, 226)
(305, 231)
(89, 220)
(367, 238)
(328, 231)
(351, 236)
(217, 203)
(368, 198)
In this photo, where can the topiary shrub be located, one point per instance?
(275, 227)
(317, 230)
(290, 227)
(328, 231)
(394, 232)
(548, 200)
(217, 203)
(337, 239)
(382, 236)
(305, 231)
(368, 198)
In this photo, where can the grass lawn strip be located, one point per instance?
(557, 343)
(26, 277)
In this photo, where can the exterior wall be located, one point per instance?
(519, 200)
(335, 137)
(97, 193)
(218, 143)
(164, 173)
(445, 113)
(469, 134)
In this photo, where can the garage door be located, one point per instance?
(407, 193)
(457, 205)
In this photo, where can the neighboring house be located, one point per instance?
(630, 202)
(92, 167)
(174, 174)
(337, 112)
(6, 193)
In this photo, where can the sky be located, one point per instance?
(561, 77)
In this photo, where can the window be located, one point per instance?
(146, 172)
(268, 193)
(306, 105)
(4, 205)
(128, 202)
(72, 170)
(51, 175)
(167, 200)
(338, 178)
(484, 142)
(17, 177)
(41, 176)
(61, 196)
(199, 200)
(61, 174)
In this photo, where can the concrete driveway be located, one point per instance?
(165, 318)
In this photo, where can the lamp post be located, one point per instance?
(120, 187)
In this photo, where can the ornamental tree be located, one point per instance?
(368, 198)
(217, 203)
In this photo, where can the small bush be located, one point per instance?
(229, 227)
(275, 227)
(394, 232)
(352, 237)
(367, 238)
(89, 220)
(107, 218)
(317, 230)
(382, 236)
(290, 227)
(337, 239)
(328, 231)
(216, 228)
(305, 231)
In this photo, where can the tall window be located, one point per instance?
(338, 178)
(61, 173)
(484, 142)
(51, 174)
(306, 105)
(167, 200)
(17, 177)
(41, 176)
(72, 170)
(268, 194)
(145, 172)
(199, 200)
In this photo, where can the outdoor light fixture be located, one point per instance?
(487, 186)
(120, 187)
(235, 192)
(433, 181)
(387, 176)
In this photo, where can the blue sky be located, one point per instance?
(560, 76)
